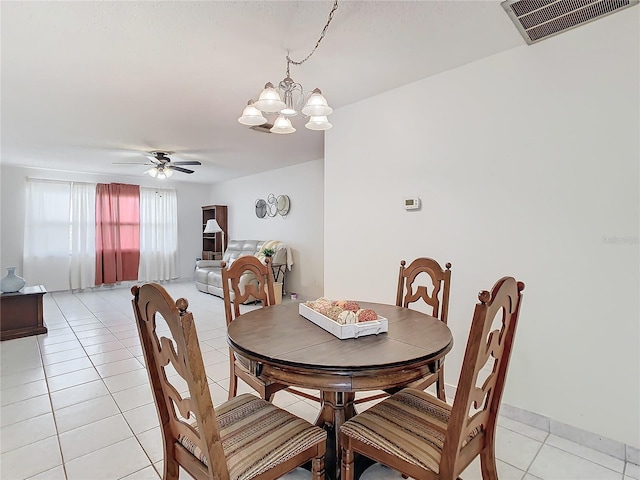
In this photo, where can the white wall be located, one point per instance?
(12, 205)
(301, 229)
(527, 164)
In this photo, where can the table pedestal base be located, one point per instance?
(336, 408)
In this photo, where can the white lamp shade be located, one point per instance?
(212, 226)
(269, 100)
(164, 173)
(251, 116)
(318, 123)
(156, 172)
(288, 111)
(316, 105)
(282, 125)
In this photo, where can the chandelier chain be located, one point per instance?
(324, 31)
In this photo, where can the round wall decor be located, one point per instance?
(283, 204)
(273, 206)
(261, 208)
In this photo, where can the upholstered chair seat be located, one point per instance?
(257, 436)
(410, 425)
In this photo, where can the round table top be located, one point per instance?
(279, 336)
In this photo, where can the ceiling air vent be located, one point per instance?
(264, 128)
(540, 19)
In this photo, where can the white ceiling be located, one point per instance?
(86, 84)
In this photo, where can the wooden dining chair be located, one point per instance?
(423, 437)
(236, 291)
(435, 295)
(234, 281)
(245, 438)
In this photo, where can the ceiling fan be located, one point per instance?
(162, 166)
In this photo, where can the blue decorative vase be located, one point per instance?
(11, 282)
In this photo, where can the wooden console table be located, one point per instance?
(21, 313)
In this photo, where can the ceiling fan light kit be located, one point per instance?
(162, 166)
(160, 172)
(289, 99)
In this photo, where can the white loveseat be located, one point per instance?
(209, 272)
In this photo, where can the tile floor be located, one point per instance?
(75, 403)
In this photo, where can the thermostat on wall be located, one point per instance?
(412, 203)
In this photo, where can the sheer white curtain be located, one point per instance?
(158, 234)
(59, 234)
(82, 266)
(46, 234)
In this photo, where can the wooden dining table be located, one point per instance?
(283, 346)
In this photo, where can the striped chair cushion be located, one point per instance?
(409, 425)
(257, 436)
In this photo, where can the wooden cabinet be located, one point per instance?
(212, 243)
(21, 313)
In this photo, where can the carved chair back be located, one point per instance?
(170, 349)
(484, 370)
(262, 291)
(435, 295)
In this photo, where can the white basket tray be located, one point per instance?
(352, 330)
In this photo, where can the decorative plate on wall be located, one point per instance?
(273, 206)
(283, 204)
(261, 208)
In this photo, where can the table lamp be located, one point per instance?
(213, 227)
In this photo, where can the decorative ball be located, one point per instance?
(347, 317)
(366, 315)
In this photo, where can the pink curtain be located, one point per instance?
(117, 232)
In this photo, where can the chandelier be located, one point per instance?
(289, 99)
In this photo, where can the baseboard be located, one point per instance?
(524, 416)
(126, 284)
(577, 435)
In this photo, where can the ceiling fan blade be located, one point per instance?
(187, 162)
(179, 169)
(155, 159)
(132, 163)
